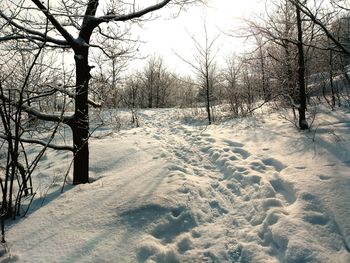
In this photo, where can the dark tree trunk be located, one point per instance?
(266, 94)
(303, 125)
(331, 78)
(150, 96)
(80, 126)
(157, 97)
(208, 98)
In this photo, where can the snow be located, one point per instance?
(174, 190)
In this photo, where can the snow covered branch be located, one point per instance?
(67, 36)
(38, 114)
(133, 15)
(43, 143)
(72, 96)
(33, 34)
(304, 9)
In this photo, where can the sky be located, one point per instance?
(166, 35)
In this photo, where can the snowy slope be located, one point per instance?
(245, 190)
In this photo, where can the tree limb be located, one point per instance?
(33, 33)
(38, 114)
(72, 96)
(136, 14)
(43, 143)
(308, 12)
(64, 33)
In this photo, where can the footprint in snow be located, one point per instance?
(234, 144)
(217, 209)
(258, 166)
(251, 179)
(184, 244)
(324, 177)
(274, 163)
(316, 218)
(169, 227)
(243, 153)
(174, 167)
(314, 210)
(226, 149)
(284, 188)
(211, 140)
(157, 136)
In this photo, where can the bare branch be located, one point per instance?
(40, 142)
(135, 14)
(33, 33)
(310, 14)
(68, 37)
(72, 96)
(38, 114)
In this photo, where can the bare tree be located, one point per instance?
(185, 91)
(17, 93)
(313, 15)
(204, 66)
(131, 97)
(288, 40)
(111, 63)
(71, 25)
(335, 25)
(231, 75)
(303, 125)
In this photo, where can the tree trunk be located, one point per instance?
(303, 125)
(150, 96)
(208, 98)
(266, 95)
(331, 78)
(80, 125)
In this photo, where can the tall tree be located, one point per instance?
(303, 125)
(71, 25)
(288, 39)
(204, 66)
(342, 6)
(230, 75)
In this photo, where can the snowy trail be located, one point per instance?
(228, 185)
(178, 192)
(230, 188)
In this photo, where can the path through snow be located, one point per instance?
(172, 191)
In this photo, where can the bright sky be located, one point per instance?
(165, 35)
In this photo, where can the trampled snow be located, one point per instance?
(175, 190)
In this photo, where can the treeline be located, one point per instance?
(57, 63)
(270, 71)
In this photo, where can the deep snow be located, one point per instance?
(174, 190)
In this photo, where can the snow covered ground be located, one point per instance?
(174, 190)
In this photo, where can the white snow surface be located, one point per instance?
(174, 190)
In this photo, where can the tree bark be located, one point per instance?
(208, 96)
(80, 125)
(303, 125)
(331, 78)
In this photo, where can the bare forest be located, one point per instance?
(73, 77)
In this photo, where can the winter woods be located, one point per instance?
(64, 61)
